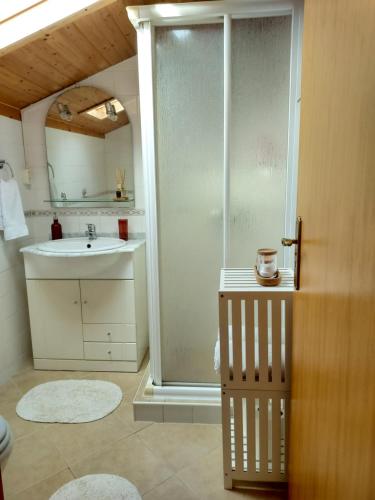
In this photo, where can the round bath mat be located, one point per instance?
(97, 487)
(69, 401)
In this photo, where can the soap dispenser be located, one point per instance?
(56, 229)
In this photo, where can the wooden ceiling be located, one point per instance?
(81, 99)
(66, 53)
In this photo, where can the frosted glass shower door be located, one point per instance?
(259, 136)
(189, 138)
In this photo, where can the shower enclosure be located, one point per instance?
(219, 90)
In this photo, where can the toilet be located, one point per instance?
(6, 443)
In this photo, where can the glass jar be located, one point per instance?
(267, 262)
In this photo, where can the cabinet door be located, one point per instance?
(55, 318)
(108, 301)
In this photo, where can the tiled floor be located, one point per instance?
(165, 461)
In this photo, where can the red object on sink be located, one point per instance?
(123, 229)
(56, 229)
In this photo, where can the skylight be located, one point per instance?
(9, 9)
(22, 18)
(100, 111)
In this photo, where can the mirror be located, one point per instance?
(89, 150)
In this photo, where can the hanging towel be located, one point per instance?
(12, 218)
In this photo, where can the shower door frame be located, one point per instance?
(144, 19)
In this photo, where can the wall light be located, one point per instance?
(111, 111)
(64, 112)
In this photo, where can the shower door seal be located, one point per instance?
(144, 18)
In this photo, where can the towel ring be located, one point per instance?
(4, 163)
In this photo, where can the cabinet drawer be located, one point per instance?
(110, 351)
(109, 333)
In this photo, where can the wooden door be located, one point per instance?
(333, 369)
(55, 319)
(108, 301)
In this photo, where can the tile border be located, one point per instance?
(84, 211)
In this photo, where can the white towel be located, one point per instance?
(256, 350)
(12, 218)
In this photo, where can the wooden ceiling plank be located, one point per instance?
(47, 52)
(59, 44)
(23, 86)
(10, 111)
(92, 31)
(110, 32)
(37, 71)
(118, 37)
(63, 43)
(117, 11)
(84, 50)
(7, 97)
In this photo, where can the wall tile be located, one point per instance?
(14, 323)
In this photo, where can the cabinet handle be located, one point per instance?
(75, 302)
(85, 301)
(109, 333)
(109, 352)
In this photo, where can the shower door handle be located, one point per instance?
(288, 242)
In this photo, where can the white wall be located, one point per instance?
(121, 81)
(14, 325)
(119, 154)
(78, 162)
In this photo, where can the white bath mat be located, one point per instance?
(69, 401)
(97, 487)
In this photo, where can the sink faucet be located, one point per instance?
(91, 232)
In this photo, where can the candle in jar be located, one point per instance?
(267, 262)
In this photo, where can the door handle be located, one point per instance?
(288, 242)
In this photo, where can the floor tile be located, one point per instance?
(46, 488)
(33, 459)
(77, 441)
(171, 489)
(129, 458)
(19, 426)
(28, 379)
(181, 444)
(205, 478)
(9, 392)
(125, 413)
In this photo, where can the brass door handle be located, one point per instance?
(288, 242)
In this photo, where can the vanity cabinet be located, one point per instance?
(55, 318)
(89, 320)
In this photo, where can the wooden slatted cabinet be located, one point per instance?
(255, 336)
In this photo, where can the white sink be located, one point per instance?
(80, 245)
